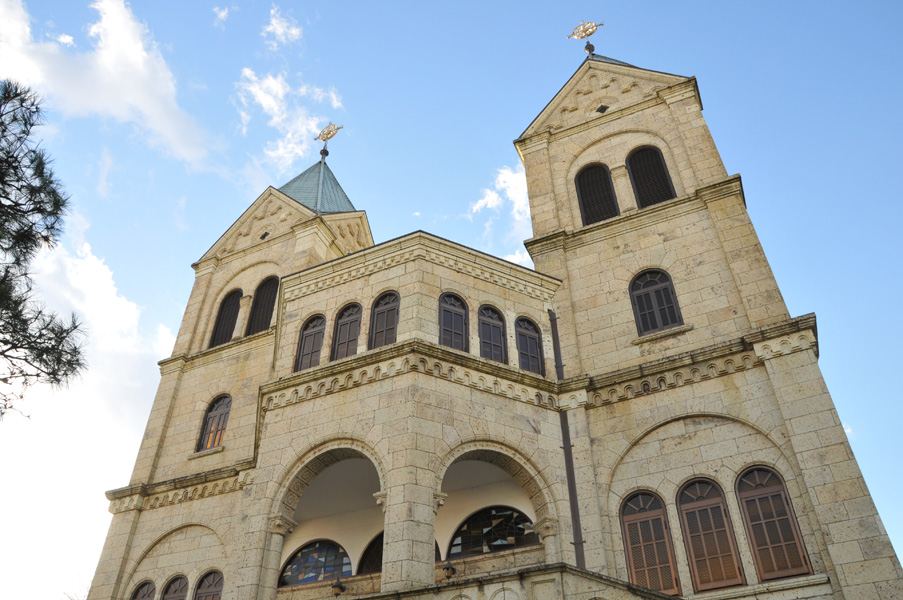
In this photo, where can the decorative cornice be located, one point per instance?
(180, 482)
(145, 501)
(185, 362)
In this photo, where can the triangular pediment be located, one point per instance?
(598, 84)
(272, 214)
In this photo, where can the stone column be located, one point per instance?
(547, 530)
(244, 310)
(277, 529)
(620, 178)
(410, 533)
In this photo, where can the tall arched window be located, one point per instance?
(224, 326)
(215, 423)
(596, 194)
(649, 176)
(773, 532)
(318, 561)
(210, 587)
(453, 322)
(310, 343)
(262, 306)
(144, 591)
(384, 320)
(372, 558)
(709, 536)
(647, 541)
(176, 589)
(347, 330)
(493, 344)
(491, 530)
(529, 346)
(654, 302)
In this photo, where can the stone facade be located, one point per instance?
(408, 439)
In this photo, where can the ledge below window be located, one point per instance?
(661, 334)
(206, 452)
(769, 586)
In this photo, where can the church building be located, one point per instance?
(637, 418)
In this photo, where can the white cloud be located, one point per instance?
(103, 178)
(283, 30)
(490, 199)
(220, 16)
(849, 431)
(296, 126)
(521, 257)
(415, 214)
(509, 195)
(124, 76)
(89, 432)
(65, 39)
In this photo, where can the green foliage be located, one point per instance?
(36, 346)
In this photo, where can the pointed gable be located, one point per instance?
(600, 86)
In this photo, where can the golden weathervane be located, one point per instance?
(584, 30)
(328, 132)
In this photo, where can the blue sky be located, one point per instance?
(167, 119)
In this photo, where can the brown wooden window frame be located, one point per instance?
(651, 302)
(595, 207)
(262, 306)
(648, 512)
(313, 331)
(175, 589)
(210, 586)
(384, 320)
(642, 176)
(349, 316)
(449, 332)
(757, 490)
(525, 331)
(726, 546)
(216, 418)
(226, 318)
(492, 324)
(144, 591)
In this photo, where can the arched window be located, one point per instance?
(210, 587)
(453, 322)
(145, 591)
(215, 423)
(647, 541)
(529, 346)
(596, 194)
(310, 342)
(491, 530)
(649, 176)
(224, 326)
(654, 302)
(773, 532)
(384, 320)
(372, 558)
(492, 335)
(176, 589)
(347, 330)
(709, 536)
(262, 306)
(318, 561)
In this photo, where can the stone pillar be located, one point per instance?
(410, 533)
(277, 529)
(547, 530)
(108, 578)
(620, 178)
(244, 311)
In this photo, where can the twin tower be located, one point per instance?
(639, 417)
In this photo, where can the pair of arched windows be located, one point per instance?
(491, 529)
(453, 333)
(383, 331)
(210, 587)
(648, 175)
(768, 517)
(261, 312)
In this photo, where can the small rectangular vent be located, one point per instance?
(601, 109)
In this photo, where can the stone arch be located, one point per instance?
(302, 472)
(237, 280)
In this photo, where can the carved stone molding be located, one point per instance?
(439, 501)
(380, 498)
(281, 525)
(784, 345)
(140, 501)
(546, 527)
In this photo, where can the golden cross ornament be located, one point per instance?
(328, 132)
(584, 30)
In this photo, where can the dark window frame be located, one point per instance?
(727, 543)
(213, 427)
(643, 176)
(525, 330)
(349, 315)
(492, 548)
(391, 306)
(648, 514)
(180, 594)
(491, 324)
(594, 206)
(313, 326)
(448, 333)
(226, 319)
(766, 490)
(651, 302)
(371, 560)
(215, 586)
(322, 576)
(144, 591)
(262, 306)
